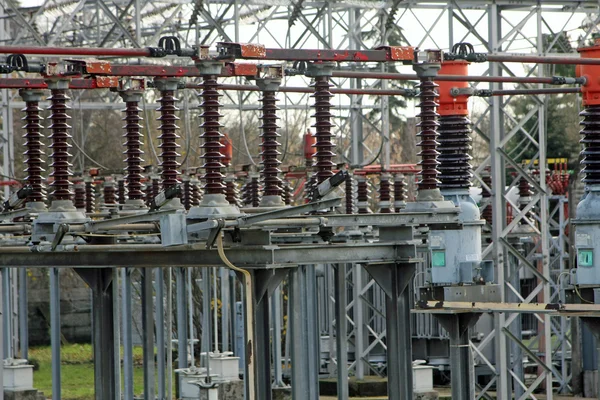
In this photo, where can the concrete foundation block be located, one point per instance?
(233, 390)
(431, 395)
(31, 394)
(282, 394)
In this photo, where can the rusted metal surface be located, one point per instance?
(399, 53)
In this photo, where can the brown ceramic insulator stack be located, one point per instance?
(34, 152)
(252, 192)
(455, 146)
(109, 193)
(399, 192)
(79, 201)
(309, 188)
(155, 187)
(349, 195)
(133, 143)
(60, 145)
(90, 196)
(168, 139)
(232, 194)
(428, 133)
(590, 155)
(149, 195)
(121, 192)
(324, 155)
(385, 194)
(487, 212)
(525, 194)
(196, 191)
(362, 194)
(272, 184)
(213, 165)
(287, 193)
(187, 195)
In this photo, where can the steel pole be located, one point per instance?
(127, 334)
(341, 328)
(148, 334)
(55, 341)
(182, 327)
(160, 332)
(23, 314)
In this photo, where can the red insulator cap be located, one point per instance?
(309, 145)
(453, 105)
(227, 151)
(590, 91)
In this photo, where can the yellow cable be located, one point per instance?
(249, 315)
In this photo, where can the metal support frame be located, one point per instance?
(148, 333)
(100, 280)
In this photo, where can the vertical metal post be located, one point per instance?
(2, 357)
(160, 332)
(276, 329)
(303, 342)
(341, 327)
(263, 347)
(359, 370)
(499, 219)
(23, 314)
(55, 331)
(148, 334)
(399, 341)
(116, 307)
(206, 337)
(182, 328)
(225, 308)
(356, 121)
(7, 313)
(127, 334)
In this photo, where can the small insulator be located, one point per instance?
(399, 192)
(309, 148)
(525, 197)
(287, 193)
(455, 146)
(254, 191)
(155, 187)
(196, 191)
(60, 146)
(79, 202)
(149, 194)
(487, 212)
(324, 145)
(133, 143)
(309, 188)
(362, 194)
(428, 133)
(109, 193)
(272, 184)
(187, 195)
(121, 191)
(350, 194)
(33, 143)
(90, 196)
(168, 138)
(212, 147)
(385, 195)
(232, 194)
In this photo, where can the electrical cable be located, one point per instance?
(150, 142)
(87, 156)
(242, 131)
(248, 285)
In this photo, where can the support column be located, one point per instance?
(7, 312)
(394, 279)
(160, 333)
(55, 331)
(127, 335)
(1, 340)
(148, 334)
(100, 281)
(303, 335)
(462, 372)
(341, 328)
(182, 328)
(23, 314)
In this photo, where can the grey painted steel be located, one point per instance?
(302, 319)
(55, 341)
(148, 334)
(127, 333)
(23, 315)
(461, 363)
(116, 290)
(206, 338)
(276, 316)
(1, 340)
(262, 338)
(7, 313)
(182, 324)
(160, 332)
(341, 327)
(225, 309)
(100, 281)
(516, 329)
(246, 256)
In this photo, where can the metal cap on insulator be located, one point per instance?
(453, 97)
(590, 90)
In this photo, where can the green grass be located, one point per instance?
(77, 371)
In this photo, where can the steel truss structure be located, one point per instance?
(495, 27)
